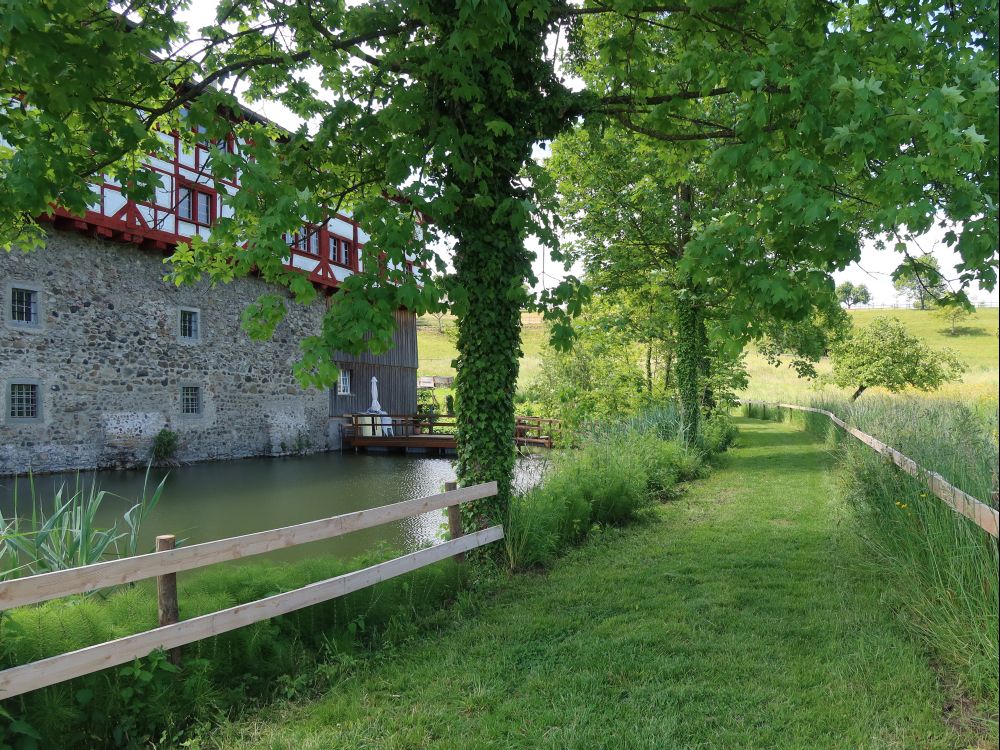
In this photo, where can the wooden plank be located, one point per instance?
(45, 672)
(455, 529)
(987, 518)
(167, 610)
(39, 588)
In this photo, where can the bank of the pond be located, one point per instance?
(611, 479)
(738, 617)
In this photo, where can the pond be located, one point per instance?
(207, 501)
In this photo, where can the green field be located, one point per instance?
(738, 618)
(976, 345)
(437, 349)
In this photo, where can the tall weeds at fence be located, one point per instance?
(943, 570)
(619, 470)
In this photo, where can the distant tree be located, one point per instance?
(853, 294)
(920, 279)
(953, 314)
(884, 354)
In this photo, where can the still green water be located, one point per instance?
(220, 499)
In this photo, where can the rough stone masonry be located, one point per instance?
(111, 362)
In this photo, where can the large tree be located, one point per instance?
(634, 207)
(415, 109)
(853, 294)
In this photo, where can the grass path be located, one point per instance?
(735, 619)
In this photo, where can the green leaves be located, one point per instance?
(883, 354)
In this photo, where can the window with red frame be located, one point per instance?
(194, 205)
(306, 240)
(341, 252)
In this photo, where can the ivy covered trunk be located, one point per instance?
(519, 102)
(688, 368)
(491, 265)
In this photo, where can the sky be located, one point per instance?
(873, 270)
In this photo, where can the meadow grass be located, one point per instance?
(976, 346)
(437, 350)
(736, 617)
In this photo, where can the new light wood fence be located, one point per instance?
(978, 512)
(167, 563)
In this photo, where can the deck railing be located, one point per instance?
(537, 431)
(164, 565)
(403, 425)
(527, 430)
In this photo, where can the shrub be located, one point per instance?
(619, 470)
(164, 445)
(718, 433)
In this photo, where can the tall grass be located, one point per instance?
(619, 470)
(62, 532)
(943, 570)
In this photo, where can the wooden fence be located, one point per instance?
(978, 512)
(165, 564)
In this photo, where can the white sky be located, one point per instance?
(874, 270)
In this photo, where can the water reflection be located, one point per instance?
(220, 499)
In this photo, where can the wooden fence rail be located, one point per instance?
(38, 588)
(978, 512)
(33, 589)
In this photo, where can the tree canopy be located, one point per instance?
(883, 354)
(413, 109)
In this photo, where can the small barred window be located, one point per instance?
(24, 306)
(23, 401)
(191, 399)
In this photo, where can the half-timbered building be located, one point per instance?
(98, 353)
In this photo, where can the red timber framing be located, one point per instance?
(187, 203)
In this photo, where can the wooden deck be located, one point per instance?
(435, 432)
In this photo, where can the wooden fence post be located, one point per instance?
(454, 520)
(166, 595)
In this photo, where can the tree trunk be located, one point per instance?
(649, 368)
(689, 333)
(688, 370)
(861, 389)
(490, 264)
(489, 224)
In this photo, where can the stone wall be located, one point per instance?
(110, 364)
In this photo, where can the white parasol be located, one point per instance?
(376, 407)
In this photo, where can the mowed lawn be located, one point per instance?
(738, 617)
